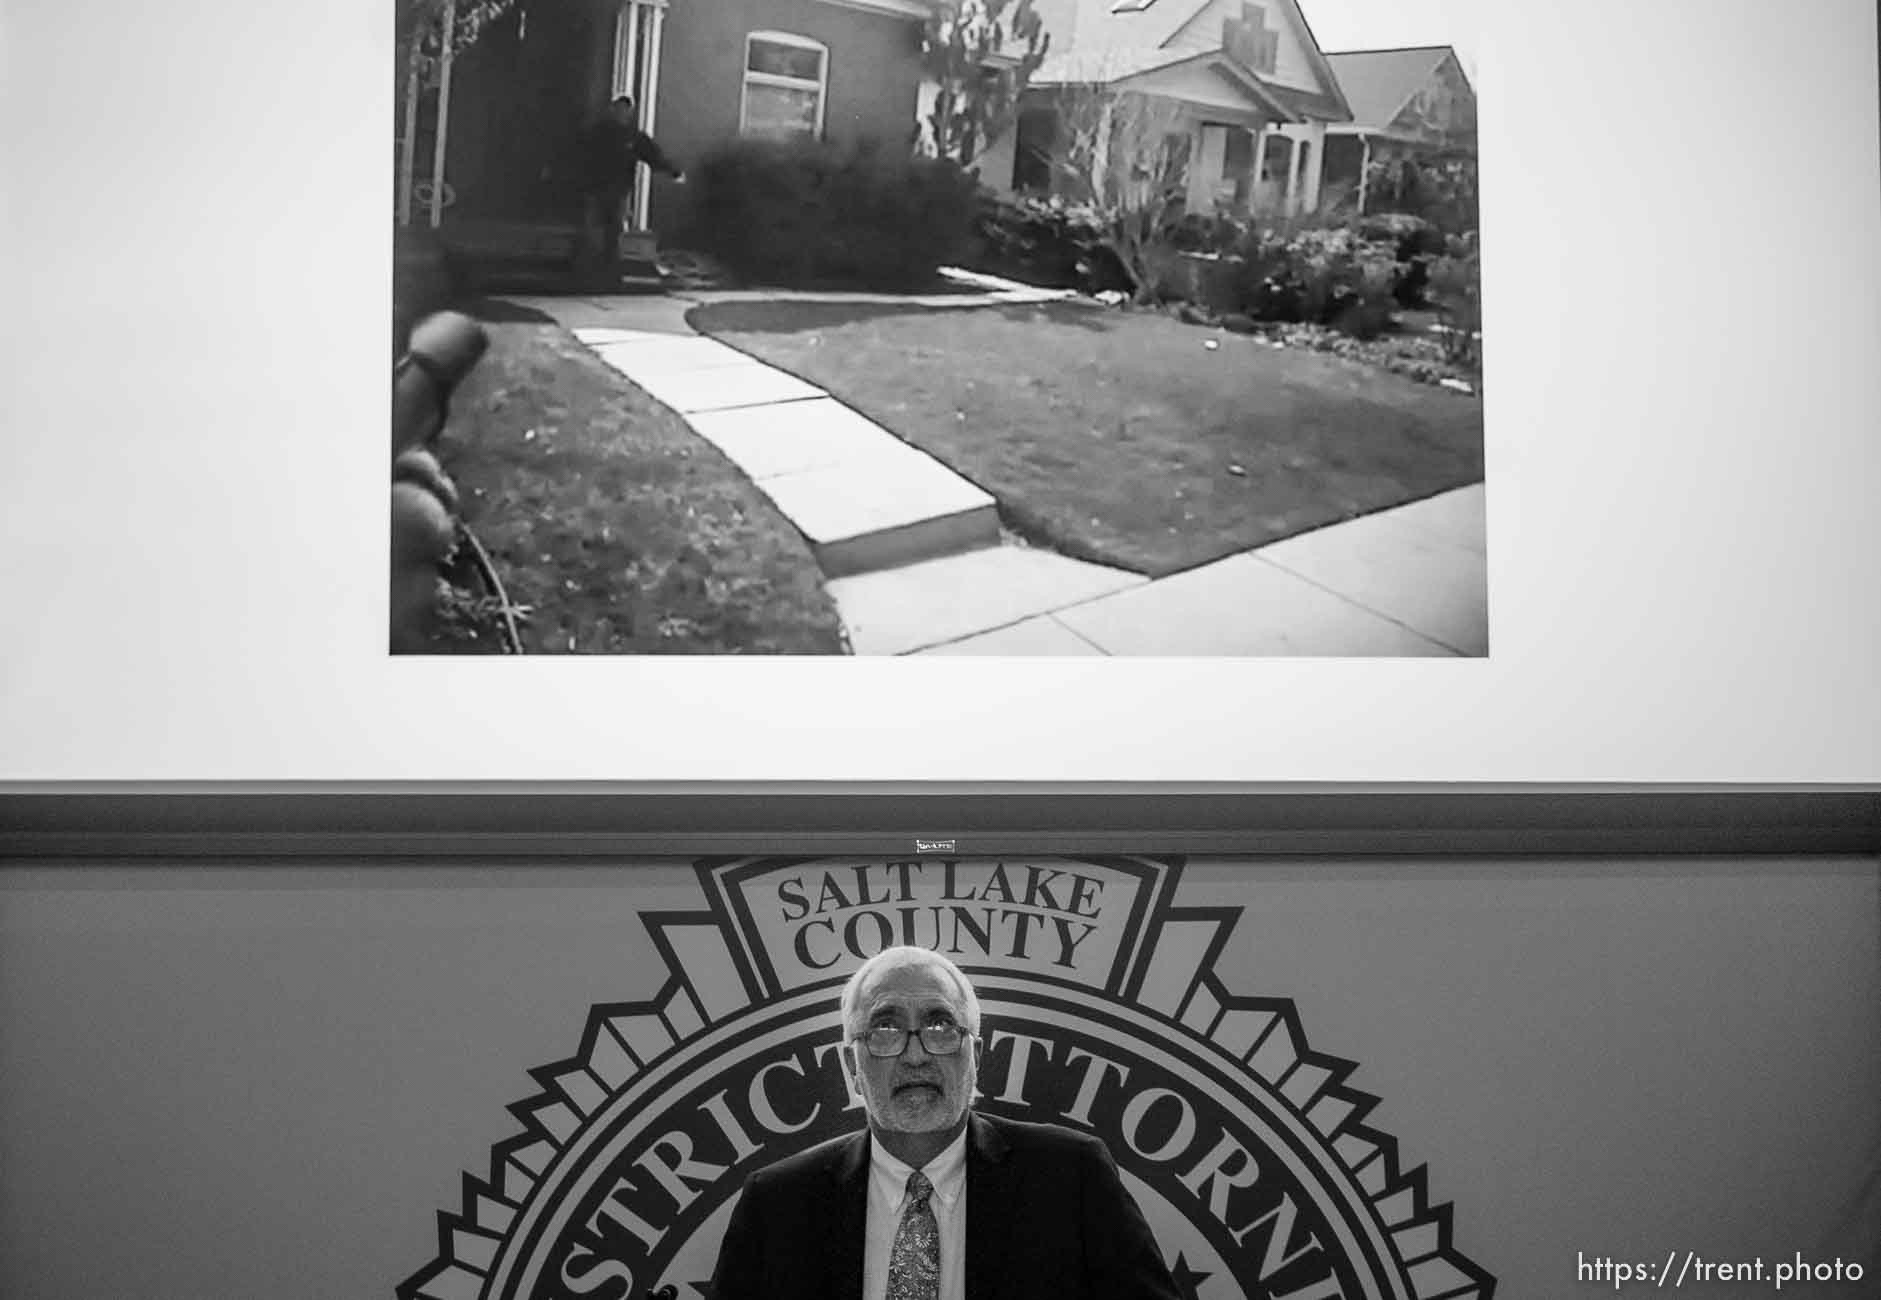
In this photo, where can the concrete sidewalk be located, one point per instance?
(914, 552)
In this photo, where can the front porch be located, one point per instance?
(1229, 163)
(487, 144)
(1242, 171)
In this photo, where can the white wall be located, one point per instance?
(1203, 32)
(1200, 85)
(1292, 67)
(192, 504)
(1313, 135)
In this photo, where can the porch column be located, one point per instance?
(444, 114)
(649, 117)
(1205, 173)
(408, 143)
(1365, 169)
(1293, 174)
(1312, 160)
(1256, 182)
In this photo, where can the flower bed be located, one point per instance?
(1045, 242)
(1333, 280)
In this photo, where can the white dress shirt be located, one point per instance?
(888, 1197)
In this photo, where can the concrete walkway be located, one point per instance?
(914, 552)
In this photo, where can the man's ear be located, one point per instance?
(850, 1068)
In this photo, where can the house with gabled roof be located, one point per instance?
(1406, 103)
(1254, 95)
(492, 147)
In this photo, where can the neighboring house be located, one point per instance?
(702, 71)
(1413, 103)
(1250, 90)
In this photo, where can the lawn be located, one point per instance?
(1124, 437)
(622, 529)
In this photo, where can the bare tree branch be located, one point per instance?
(976, 98)
(1126, 156)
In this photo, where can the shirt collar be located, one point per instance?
(947, 1171)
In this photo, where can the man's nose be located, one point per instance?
(916, 1050)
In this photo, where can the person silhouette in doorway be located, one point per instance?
(613, 149)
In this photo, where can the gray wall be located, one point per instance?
(246, 1080)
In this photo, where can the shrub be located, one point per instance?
(1320, 269)
(1348, 281)
(1209, 280)
(1368, 312)
(1441, 189)
(1415, 243)
(1457, 282)
(808, 212)
(1199, 233)
(1045, 242)
(1316, 275)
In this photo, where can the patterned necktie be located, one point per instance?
(914, 1263)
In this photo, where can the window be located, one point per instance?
(1247, 40)
(785, 79)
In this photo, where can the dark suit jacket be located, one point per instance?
(1047, 1217)
(611, 153)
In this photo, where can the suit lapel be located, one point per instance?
(992, 1204)
(843, 1264)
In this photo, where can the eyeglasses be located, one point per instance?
(892, 1040)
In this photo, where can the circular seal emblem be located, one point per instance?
(1247, 1151)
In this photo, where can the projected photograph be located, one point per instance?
(937, 327)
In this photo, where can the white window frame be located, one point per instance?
(747, 77)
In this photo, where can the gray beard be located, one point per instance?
(883, 1112)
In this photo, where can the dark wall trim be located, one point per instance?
(508, 822)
